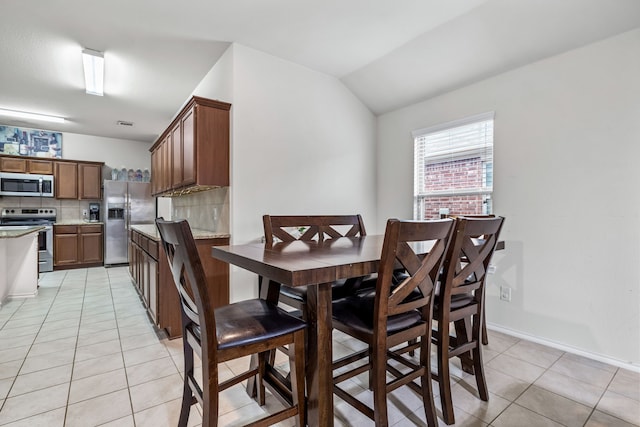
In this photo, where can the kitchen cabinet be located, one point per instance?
(44, 167)
(22, 165)
(89, 181)
(146, 262)
(152, 277)
(77, 246)
(13, 164)
(66, 180)
(176, 156)
(78, 180)
(193, 152)
(90, 244)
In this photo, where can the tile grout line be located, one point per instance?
(75, 350)
(124, 365)
(4, 402)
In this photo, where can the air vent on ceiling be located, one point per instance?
(123, 123)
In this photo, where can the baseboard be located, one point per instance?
(600, 358)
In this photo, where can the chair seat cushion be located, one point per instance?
(357, 312)
(252, 321)
(339, 289)
(457, 301)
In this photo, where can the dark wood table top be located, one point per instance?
(301, 263)
(305, 263)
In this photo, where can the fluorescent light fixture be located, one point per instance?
(32, 116)
(93, 62)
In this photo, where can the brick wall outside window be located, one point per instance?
(457, 174)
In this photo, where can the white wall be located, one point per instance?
(113, 152)
(566, 179)
(301, 144)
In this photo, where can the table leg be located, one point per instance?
(319, 356)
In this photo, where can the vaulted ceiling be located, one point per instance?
(390, 54)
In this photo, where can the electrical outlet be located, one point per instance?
(84, 213)
(505, 293)
(492, 269)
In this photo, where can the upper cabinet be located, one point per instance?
(65, 180)
(89, 181)
(73, 179)
(22, 165)
(193, 153)
(78, 180)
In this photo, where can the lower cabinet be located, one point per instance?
(77, 246)
(150, 272)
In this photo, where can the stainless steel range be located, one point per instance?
(35, 216)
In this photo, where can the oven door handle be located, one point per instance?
(40, 185)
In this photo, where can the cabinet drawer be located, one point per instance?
(65, 229)
(85, 229)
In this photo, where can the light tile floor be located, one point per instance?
(83, 353)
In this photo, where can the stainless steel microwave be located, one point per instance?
(22, 184)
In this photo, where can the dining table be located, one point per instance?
(315, 264)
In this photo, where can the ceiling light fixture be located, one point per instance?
(32, 116)
(93, 62)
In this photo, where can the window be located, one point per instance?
(453, 171)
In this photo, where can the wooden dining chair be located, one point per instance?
(288, 228)
(485, 336)
(460, 301)
(390, 316)
(226, 333)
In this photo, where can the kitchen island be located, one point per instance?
(152, 277)
(18, 261)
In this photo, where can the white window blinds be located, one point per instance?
(454, 168)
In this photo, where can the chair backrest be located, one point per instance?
(189, 278)
(402, 247)
(314, 227)
(469, 255)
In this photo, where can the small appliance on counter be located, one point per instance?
(94, 212)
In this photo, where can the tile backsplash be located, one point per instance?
(68, 210)
(206, 210)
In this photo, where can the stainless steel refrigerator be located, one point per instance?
(125, 203)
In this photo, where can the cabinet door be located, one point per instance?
(189, 148)
(66, 180)
(130, 256)
(90, 248)
(65, 249)
(176, 156)
(166, 164)
(89, 180)
(155, 171)
(10, 164)
(153, 289)
(44, 167)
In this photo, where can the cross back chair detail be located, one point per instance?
(461, 301)
(227, 333)
(315, 227)
(395, 314)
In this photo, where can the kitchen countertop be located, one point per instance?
(151, 232)
(9, 232)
